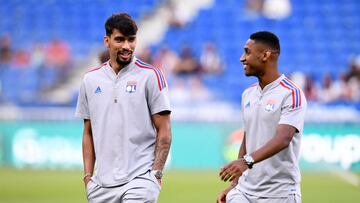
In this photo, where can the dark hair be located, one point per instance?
(267, 38)
(122, 22)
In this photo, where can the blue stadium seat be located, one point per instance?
(318, 36)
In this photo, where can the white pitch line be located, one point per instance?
(348, 176)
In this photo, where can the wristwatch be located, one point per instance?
(157, 173)
(249, 161)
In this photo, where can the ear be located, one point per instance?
(267, 55)
(106, 41)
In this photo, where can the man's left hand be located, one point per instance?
(233, 170)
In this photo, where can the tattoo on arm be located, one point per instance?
(163, 139)
(161, 151)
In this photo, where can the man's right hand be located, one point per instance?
(87, 180)
(222, 196)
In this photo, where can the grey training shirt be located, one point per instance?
(119, 108)
(280, 102)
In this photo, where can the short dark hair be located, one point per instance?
(267, 38)
(122, 22)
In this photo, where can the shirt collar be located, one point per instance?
(111, 73)
(271, 85)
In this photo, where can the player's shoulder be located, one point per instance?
(289, 86)
(250, 89)
(93, 72)
(146, 67)
(293, 92)
(152, 72)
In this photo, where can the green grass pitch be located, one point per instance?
(54, 186)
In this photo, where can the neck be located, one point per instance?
(116, 66)
(270, 76)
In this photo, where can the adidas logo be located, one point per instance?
(98, 90)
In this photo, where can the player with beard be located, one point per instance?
(126, 111)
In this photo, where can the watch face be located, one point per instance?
(249, 161)
(158, 174)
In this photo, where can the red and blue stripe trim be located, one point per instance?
(253, 85)
(159, 74)
(295, 92)
(97, 68)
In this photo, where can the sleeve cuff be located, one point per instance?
(83, 116)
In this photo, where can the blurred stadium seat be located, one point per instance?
(317, 37)
(79, 23)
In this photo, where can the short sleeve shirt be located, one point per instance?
(280, 102)
(120, 107)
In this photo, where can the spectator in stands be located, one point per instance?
(328, 92)
(354, 69)
(21, 59)
(343, 88)
(254, 7)
(5, 50)
(57, 54)
(166, 59)
(104, 56)
(56, 65)
(37, 56)
(176, 16)
(353, 79)
(5, 57)
(146, 55)
(276, 9)
(58, 57)
(272, 9)
(187, 65)
(298, 78)
(354, 86)
(310, 89)
(210, 60)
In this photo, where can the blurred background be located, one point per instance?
(47, 45)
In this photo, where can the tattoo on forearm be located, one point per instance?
(161, 152)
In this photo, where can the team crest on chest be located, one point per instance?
(270, 105)
(131, 86)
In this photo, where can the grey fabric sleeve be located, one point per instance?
(293, 116)
(158, 99)
(82, 107)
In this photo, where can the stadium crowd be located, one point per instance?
(52, 63)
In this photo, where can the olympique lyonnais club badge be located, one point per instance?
(270, 105)
(131, 86)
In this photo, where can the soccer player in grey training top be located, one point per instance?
(273, 110)
(125, 106)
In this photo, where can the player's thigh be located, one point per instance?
(236, 196)
(97, 194)
(143, 189)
